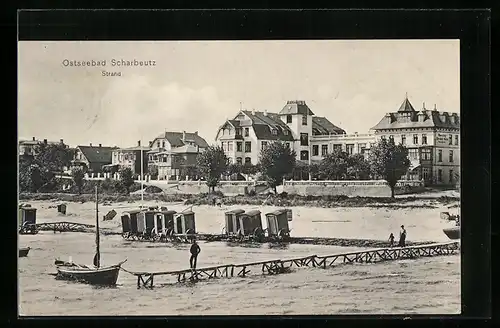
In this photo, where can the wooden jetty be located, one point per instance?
(63, 227)
(272, 267)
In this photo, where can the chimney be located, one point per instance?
(435, 108)
(90, 144)
(45, 141)
(265, 112)
(196, 132)
(423, 106)
(253, 111)
(183, 136)
(100, 145)
(62, 141)
(34, 139)
(150, 143)
(138, 143)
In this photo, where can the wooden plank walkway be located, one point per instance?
(64, 226)
(271, 267)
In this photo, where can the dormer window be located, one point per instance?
(285, 132)
(274, 131)
(289, 118)
(304, 119)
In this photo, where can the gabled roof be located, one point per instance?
(97, 154)
(264, 122)
(321, 125)
(296, 107)
(175, 139)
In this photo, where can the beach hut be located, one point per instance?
(233, 221)
(129, 221)
(27, 219)
(146, 222)
(251, 223)
(277, 223)
(164, 221)
(61, 208)
(184, 223)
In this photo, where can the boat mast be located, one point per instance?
(97, 258)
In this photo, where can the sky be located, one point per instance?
(196, 86)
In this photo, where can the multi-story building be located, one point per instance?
(28, 147)
(92, 158)
(244, 136)
(171, 151)
(131, 158)
(432, 138)
(350, 143)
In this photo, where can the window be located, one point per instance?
(247, 132)
(440, 155)
(456, 140)
(304, 119)
(288, 144)
(163, 144)
(126, 157)
(425, 173)
(451, 176)
(450, 156)
(361, 148)
(238, 146)
(391, 138)
(158, 144)
(450, 140)
(248, 147)
(289, 118)
(315, 150)
(285, 132)
(440, 175)
(324, 150)
(248, 160)
(238, 132)
(426, 154)
(304, 139)
(230, 146)
(424, 139)
(264, 144)
(415, 139)
(224, 148)
(304, 155)
(274, 131)
(382, 137)
(413, 153)
(337, 147)
(238, 160)
(403, 139)
(349, 149)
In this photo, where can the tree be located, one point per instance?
(276, 161)
(78, 178)
(126, 178)
(212, 163)
(334, 165)
(30, 178)
(358, 167)
(390, 161)
(153, 171)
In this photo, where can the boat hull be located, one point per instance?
(103, 276)
(23, 252)
(452, 233)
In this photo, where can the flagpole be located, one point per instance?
(142, 176)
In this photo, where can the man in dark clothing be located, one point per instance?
(402, 237)
(195, 250)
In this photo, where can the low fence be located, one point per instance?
(363, 188)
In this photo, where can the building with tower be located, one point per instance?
(432, 138)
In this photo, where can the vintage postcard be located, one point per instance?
(239, 177)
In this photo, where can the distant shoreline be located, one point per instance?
(257, 200)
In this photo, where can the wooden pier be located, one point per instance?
(272, 267)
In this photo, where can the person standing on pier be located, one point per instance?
(402, 237)
(391, 240)
(195, 250)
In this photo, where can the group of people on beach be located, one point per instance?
(402, 238)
